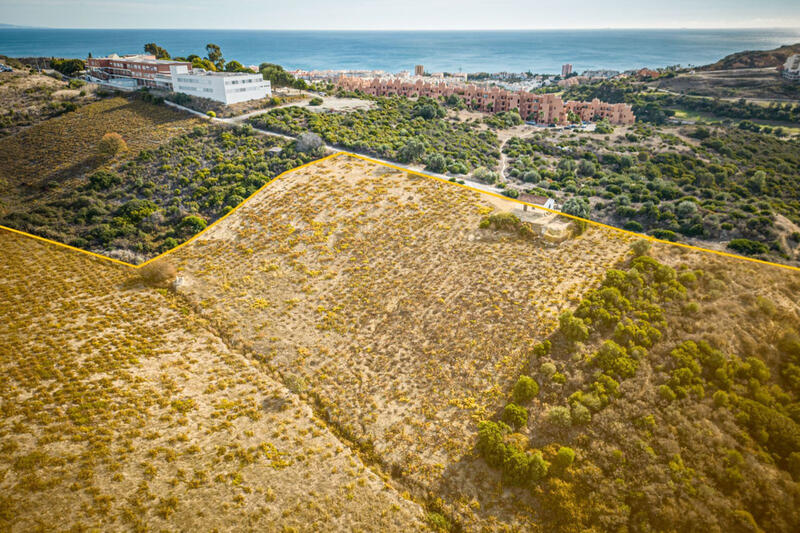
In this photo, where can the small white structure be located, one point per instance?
(225, 87)
(791, 69)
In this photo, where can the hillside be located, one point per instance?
(754, 58)
(121, 410)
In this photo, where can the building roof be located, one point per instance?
(533, 199)
(143, 58)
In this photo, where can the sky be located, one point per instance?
(401, 14)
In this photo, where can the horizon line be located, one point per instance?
(597, 28)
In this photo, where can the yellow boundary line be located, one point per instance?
(414, 172)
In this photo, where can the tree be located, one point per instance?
(235, 66)
(68, 67)
(199, 62)
(436, 163)
(586, 168)
(111, 144)
(411, 152)
(524, 390)
(214, 54)
(310, 143)
(154, 49)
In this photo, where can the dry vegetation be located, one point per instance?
(27, 99)
(44, 156)
(121, 410)
(375, 295)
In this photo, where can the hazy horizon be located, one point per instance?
(409, 15)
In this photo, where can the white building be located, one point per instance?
(791, 69)
(225, 87)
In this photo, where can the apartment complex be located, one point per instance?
(541, 108)
(419, 70)
(566, 70)
(791, 69)
(135, 71)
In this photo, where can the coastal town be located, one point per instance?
(434, 281)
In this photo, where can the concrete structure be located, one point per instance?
(135, 71)
(419, 70)
(791, 69)
(566, 70)
(540, 108)
(225, 87)
(542, 201)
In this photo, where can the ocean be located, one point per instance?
(539, 51)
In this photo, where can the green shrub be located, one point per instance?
(748, 247)
(581, 414)
(515, 415)
(666, 393)
(574, 329)
(524, 390)
(559, 416)
(538, 467)
(564, 458)
(315, 101)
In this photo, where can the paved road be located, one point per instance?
(330, 148)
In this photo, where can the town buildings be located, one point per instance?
(136, 71)
(566, 70)
(419, 70)
(540, 108)
(791, 69)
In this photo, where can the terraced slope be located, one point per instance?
(120, 410)
(375, 295)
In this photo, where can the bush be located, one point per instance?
(158, 273)
(211, 114)
(564, 458)
(68, 67)
(641, 247)
(491, 443)
(310, 143)
(103, 179)
(573, 328)
(559, 416)
(315, 101)
(111, 144)
(581, 414)
(748, 247)
(515, 416)
(192, 224)
(436, 163)
(524, 390)
(537, 467)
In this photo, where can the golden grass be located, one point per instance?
(373, 293)
(121, 410)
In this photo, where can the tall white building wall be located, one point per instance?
(225, 88)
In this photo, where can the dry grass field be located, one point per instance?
(374, 295)
(121, 410)
(47, 154)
